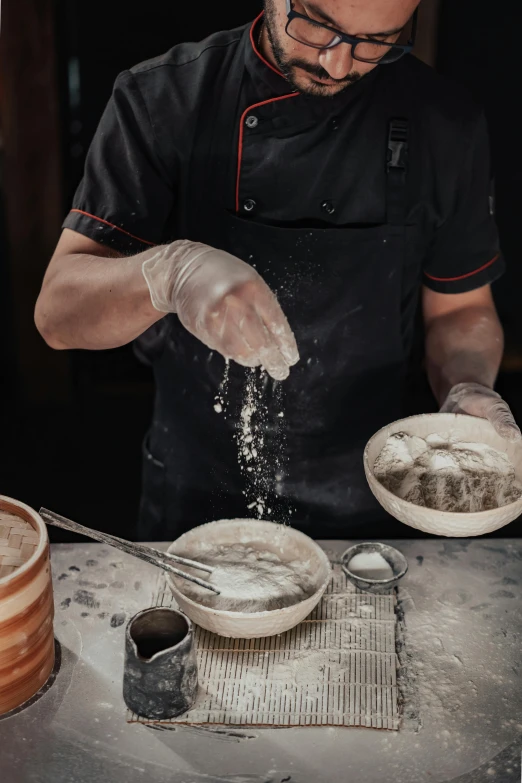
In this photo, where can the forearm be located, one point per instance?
(94, 302)
(94, 298)
(463, 346)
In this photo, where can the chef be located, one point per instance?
(286, 196)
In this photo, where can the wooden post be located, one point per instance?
(29, 115)
(427, 32)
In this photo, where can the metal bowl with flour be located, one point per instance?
(467, 429)
(288, 548)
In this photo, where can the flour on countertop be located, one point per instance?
(338, 667)
(251, 580)
(443, 473)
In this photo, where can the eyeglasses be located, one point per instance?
(368, 50)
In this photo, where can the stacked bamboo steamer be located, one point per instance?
(26, 604)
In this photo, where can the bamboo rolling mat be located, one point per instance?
(18, 540)
(337, 668)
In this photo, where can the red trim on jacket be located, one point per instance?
(463, 277)
(254, 105)
(256, 50)
(240, 142)
(94, 217)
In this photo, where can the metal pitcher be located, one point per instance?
(160, 676)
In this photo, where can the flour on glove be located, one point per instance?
(223, 302)
(477, 400)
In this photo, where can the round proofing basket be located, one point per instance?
(26, 605)
(444, 523)
(287, 543)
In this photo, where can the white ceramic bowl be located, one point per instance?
(444, 523)
(287, 543)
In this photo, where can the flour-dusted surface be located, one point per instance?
(460, 657)
(464, 599)
(251, 579)
(446, 474)
(336, 668)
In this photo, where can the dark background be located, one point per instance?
(71, 423)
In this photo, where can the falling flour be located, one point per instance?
(261, 464)
(370, 565)
(250, 438)
(251, 580)
(443, 473)
(220, 398)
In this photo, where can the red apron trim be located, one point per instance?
(256, 50)
(240, 143)
(94, 217)
(462, 277)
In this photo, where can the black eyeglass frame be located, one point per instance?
(399, 49)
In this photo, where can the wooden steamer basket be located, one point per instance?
(26, 604)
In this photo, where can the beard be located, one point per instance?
(288, 65)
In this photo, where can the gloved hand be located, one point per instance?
(223, 302)
(477, 400)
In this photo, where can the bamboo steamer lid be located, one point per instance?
(26, 604)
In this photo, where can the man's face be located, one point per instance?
(326, 72)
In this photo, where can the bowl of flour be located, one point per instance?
(445, 473)
(270, 577)
(373, 566)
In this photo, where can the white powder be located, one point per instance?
(262, 467)
(251, 444)
(250, 580)
(370, 565)
(221, 396)
(446, 474)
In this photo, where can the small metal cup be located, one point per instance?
(393, 557)
(160, 676)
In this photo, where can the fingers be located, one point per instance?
(227, 305)
(274, 363)
(510, 432)
(275, 321)
(255, 342)
(246, 325)
(486, 404)
(262, 345)
(477, 404)
(271, 360)
(502, 419)
(237, 331)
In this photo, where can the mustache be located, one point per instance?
(317, 70)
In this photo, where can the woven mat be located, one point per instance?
(337, 668)
(18, 540)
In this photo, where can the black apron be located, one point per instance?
(341, 290)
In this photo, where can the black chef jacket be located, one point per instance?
(307, 160)
(295, 161)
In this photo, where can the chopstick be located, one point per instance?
(143, 552)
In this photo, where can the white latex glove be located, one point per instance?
(224, 303)
(477, 400)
